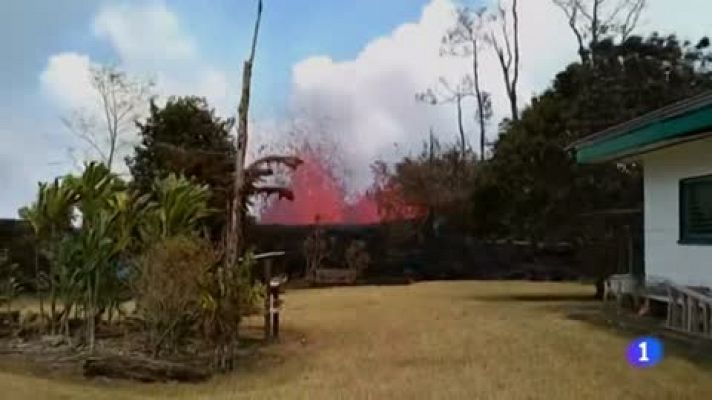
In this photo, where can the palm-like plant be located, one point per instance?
(129, 213)
(94, 188)
(98, 249)
(52, 212)
(129, 217)
(88, 260)
(108, 221)
(180, 206)
(50, 216)
(68, 278)
(85, 271)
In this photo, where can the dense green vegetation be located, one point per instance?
(530, 187)
(185, 137)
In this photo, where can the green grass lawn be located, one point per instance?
(454, 340)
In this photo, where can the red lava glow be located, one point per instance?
(320, 199)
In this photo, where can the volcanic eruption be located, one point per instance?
(320, 197)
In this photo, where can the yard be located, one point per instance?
(455, 340)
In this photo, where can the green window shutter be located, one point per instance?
(696, 210)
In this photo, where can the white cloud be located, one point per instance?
(366, 103)
(144, 34)
(369, 100)
(150, 42)
(66, 81)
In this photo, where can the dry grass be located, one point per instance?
(460, 340)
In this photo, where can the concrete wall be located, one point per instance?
(664, 256)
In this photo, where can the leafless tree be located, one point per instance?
(224, 324)
(464, 40)
(444, 93)
(248, 176)
(503, 37)
(236, 221)
(593, 20)
(106, 130)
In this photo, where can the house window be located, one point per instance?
(696, 210)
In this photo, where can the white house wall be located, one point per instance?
(664, 256)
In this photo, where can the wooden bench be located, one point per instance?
(617, 286)
(337, 276)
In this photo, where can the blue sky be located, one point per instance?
(34, 30)
(345, 70)
(292, 30)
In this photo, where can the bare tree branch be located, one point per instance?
(632, 18)
(446, 94)
(508, 54)
(592, 21)
(118, 99)
(612, 16)
(595, 25)
(505, 36)
(86, 136)
(461, 127)
(515, 79)
(463, 40)
(572, 14)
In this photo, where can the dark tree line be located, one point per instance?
(532, 188)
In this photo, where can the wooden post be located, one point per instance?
(670, 307)
(268, 299)
(275, 314)
(704, 318)
(688, 313)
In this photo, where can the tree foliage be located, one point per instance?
(169, 288)
(181, 206)
(532, 188)
(434, 184)
(101, 234)
(92, 258)
(185, 137)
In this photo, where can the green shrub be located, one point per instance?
(169, 289)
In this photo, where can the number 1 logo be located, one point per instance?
(645, 352)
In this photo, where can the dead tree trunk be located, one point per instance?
(481, 109)
(507, 50)
(234, 242)
(142, 370)
(461, 127)
(235, 236)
